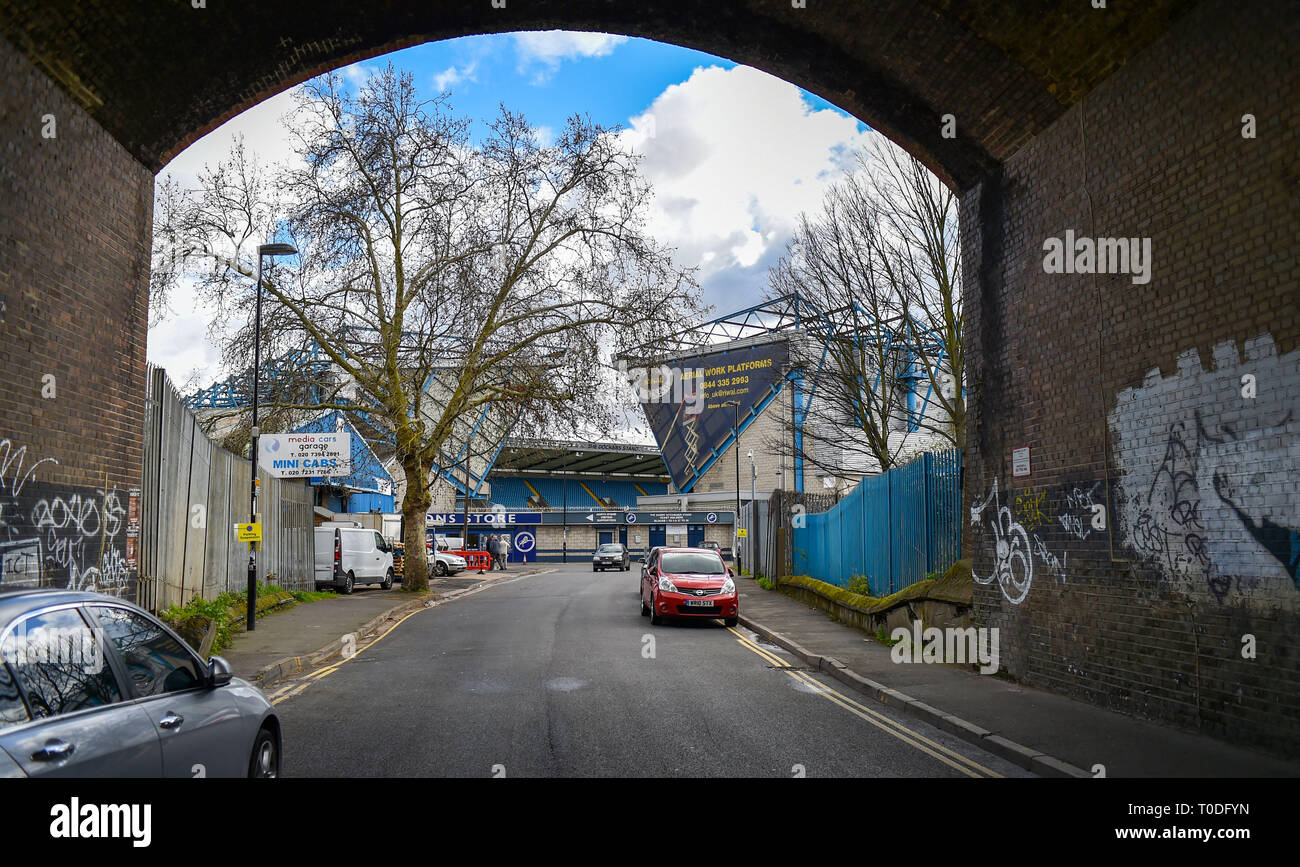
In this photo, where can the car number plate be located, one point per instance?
(703, 603)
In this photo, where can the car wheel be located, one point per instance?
(388, 581)
(732, 621)
(645, 609)
(349, 582)
(440, 568)
(655, 619)
(264, 764)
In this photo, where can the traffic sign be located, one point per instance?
(742, 533)
(249, 532)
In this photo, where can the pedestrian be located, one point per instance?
(505, 552)
(494, 552)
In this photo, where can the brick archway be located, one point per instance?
(1123, 122)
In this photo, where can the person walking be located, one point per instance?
(505, 551)
(494, 550)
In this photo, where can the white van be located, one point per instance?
(348, 555)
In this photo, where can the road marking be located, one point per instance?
(880, 721)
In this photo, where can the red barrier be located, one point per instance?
(475, 560)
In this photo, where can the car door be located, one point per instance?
(200, 729)
(647, 576)
(75, 720)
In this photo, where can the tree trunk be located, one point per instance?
(415, 509)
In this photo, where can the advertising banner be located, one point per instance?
(685, 401)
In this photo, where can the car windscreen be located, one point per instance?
(611, 549)
(691, 564)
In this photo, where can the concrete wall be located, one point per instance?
(1148, 561)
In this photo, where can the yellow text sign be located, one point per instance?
(249, 532)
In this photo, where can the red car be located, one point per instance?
(688, 582)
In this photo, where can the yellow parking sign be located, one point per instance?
(249, 532)
(742, 533)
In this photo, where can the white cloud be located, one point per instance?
(550, 48)
(454, 75)
(735, 155)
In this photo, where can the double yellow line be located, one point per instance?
(293, 689)
(949, 757)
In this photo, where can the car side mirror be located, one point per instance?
(219, 672)
(730, 574)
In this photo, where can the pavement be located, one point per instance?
(1069, 737)
(1039, 731)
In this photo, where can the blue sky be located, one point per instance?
(734, 154)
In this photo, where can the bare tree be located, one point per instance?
(441, 278)
(880, 261)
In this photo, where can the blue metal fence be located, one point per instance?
(893, 528)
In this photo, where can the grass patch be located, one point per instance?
(228, 611)
(764, 583)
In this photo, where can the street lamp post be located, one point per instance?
(753, 505)
(263, 250)
(736, 447)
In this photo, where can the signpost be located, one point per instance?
(304, 455)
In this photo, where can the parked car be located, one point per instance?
(348, 555)
(445, 563)
(92, 686)
(611, 555)
(688, 582)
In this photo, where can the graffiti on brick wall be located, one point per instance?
(59, 536)
(1013, 563)
(1029, 509)
(1210, 470)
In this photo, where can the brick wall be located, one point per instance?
(74, 270)
(1130, 396)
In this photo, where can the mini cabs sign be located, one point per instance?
(249, 532)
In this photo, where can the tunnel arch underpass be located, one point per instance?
(1127, 123)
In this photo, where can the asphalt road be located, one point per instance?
(558, 675)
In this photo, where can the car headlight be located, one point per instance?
(665, 584)
(728, 586)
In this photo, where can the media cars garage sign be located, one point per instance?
(303, 455)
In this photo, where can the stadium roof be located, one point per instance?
(521, 455)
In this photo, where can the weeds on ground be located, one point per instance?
(190, 619)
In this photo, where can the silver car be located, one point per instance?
(92, 686)
(611, 555)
